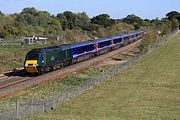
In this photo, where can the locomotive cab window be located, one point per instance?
(32, 57)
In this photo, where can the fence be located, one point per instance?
(26, 107)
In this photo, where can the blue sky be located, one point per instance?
(115, 8)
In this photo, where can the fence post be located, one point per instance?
(31, 107)
(43, 109)
(62, 96)
(94, 81)
(52, 99)
(69, 94)
(17, 108)
(78, 89)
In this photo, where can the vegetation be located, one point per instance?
(52, 88)
(149, 38)
(145, 91)
(33, 22)
(103, 20)
(72, 27)
(132, 95)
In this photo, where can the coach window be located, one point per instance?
(79, 50)
(88, 47)
(126, 38)
(120, 39)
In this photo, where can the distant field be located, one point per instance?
(148, 90)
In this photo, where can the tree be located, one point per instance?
(135, 20)
(1, 14)
(103, 20)
(30, 10)
(71, 20)
(174, 24)
(158, 24)
(173, 14)
(166, 27)
(93, 27)
(64, 22)
(55, 26)
(3, 32)
(43, 18)
(132, 19)
(82, 20)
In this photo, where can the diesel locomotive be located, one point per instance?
(46, 59)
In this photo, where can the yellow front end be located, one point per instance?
(31, 66)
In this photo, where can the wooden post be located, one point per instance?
(17, 109)
(43, 109)
(31, 107)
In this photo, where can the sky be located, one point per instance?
(149, 9)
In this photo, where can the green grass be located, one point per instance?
(51, 88)
(147, 90)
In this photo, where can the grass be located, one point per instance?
(51, 88)
(147, 90)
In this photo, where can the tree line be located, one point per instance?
(34, 22)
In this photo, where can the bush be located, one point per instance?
(149, 38)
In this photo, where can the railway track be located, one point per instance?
(19, 80)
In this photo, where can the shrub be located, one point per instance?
(149, 38)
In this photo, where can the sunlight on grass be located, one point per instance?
(147, 90)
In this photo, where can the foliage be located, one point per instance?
(29, 22)
(149, 38)
(174, 15)
(3, 32)
(134, 20)
(103, 20)
(120, 27)
(34, 22)
(71, 20)
(174, 24)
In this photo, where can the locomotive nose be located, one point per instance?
(31, 66)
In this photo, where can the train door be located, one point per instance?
(44, 59)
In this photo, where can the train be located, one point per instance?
(40, 60)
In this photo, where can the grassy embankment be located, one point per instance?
(148, 90)
(52, 88)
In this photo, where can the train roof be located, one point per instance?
(79, 44)
(103, 39)
(132, 33)
(116, 37)
(121, 35)
(48, 49)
